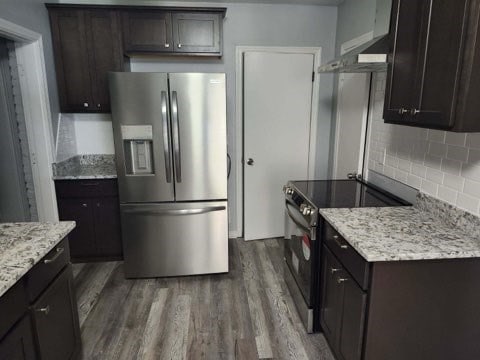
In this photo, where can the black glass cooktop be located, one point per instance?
(345, 193)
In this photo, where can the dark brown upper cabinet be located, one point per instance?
(87, 45)
(172, 32)
(147, 31)
(197, 33)
(433, 78)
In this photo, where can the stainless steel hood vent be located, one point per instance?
(371, 56)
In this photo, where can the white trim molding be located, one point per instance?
(239, 52)
(33, 86)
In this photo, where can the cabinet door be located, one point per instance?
(197, 33)
(147, 31)
(331, 296)
(105, 53)
(71, 59)
(107, 227)
(82, 238)
(407, 59)
(18, 344)
(442, 64)
(56, 319)
(353, 317)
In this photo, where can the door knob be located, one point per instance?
(250, 161)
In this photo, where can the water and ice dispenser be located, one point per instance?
(138, 149)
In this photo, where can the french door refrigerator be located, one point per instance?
(171, 157)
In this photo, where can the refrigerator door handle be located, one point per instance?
(146, 211)
(176, 138)
(166, 138)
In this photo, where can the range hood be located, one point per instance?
(370, 56)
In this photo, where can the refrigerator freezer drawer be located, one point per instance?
(175, 239)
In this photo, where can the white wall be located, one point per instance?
(262, 25)
(443, 164)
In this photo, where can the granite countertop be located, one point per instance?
(85, 167)
(418, 232)
(22, 245)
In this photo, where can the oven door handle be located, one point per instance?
(301, 226)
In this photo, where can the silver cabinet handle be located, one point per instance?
(176, 138)
(414, 111)
(85, 205)
(337, 240)
(99, 106)
(85, 104)
(334, 270)
(167, 45)
(175, 212)
(166, 138)
(44, 310)
(402, 111)
(59, 252)
(179, 46)
(341, 280)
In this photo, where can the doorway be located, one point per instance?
(279, 132)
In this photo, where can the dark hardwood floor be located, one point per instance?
(245, 314)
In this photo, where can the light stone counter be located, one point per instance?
(22, 245)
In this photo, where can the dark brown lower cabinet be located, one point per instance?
(343, 309)
(56, 319)
(38, 315)
(18, 344)
(94, 206)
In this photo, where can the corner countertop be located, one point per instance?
(402, 233)
(23, 245)
(82, 167)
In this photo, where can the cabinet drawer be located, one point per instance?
(45, 271)
(12, 306)
(356, 265)
(86, 188)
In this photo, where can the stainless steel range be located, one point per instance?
(171, 152)
(303, 234)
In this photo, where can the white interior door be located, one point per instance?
(277, 111)
(352, 112)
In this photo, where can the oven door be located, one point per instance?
(301, 250)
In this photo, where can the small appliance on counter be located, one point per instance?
(171, 157)
(303, 234)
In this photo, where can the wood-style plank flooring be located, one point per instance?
(245, 314)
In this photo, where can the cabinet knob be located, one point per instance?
(334, 270)
(85, 205)
(167, 45)
(85, 104)
(402, 111)
(99, 106)
(98, 204)
(341, 280)
(179, 46)
(44, 310)
(414, 111)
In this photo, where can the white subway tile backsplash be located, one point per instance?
(436, 135)
(468, 203)
(447, 194)
(474, 156)
(459, 153)
(473, 140)
(454, 182)
(434, 176)
(458, 139)
(472, 188)
(451, 167)
(471, 172)
(429, 187)
(437, 149)
(443, 164)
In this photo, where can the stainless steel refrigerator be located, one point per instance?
(171, 156)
